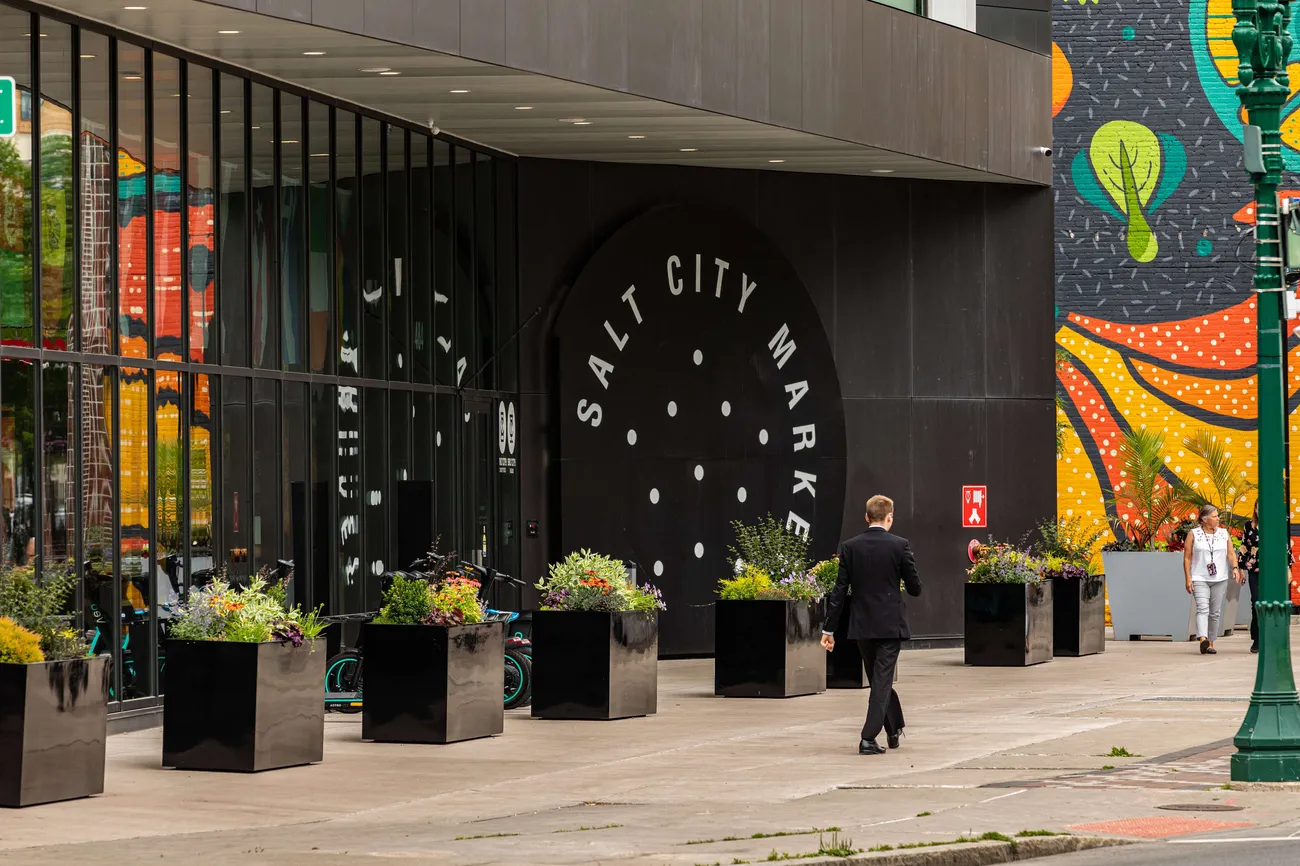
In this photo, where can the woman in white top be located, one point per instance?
(1209, 559)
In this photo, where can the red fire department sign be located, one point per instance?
(975, 507)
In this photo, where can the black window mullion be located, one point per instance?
(114, 328)
(149, 663)
(38, 331)
(247, 324)
(213, 354)
(151, 324)
(183, 203)
(75, 324)
(114, 378)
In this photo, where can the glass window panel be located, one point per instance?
(444, 442)
(399, 464)
(374, 450)
(348, 438)
(466, 307)
(293, 223)
(169, 494)
(57, 256)
(347, 214)
(399, 259)
(236, 506)
(167, 296)
(204, 481)
(444, 323)
(374, 268)
(293, 494)
(266, 473)
(95, 445)
(19, 528)
(132, 204)
(266, 271)
(16, 185)
(59, 409)
(506, 366)
(421, 279)
(232, 218)
(321, 321)
(485, 253)
(95, 197)
(199, 198)
(421, 438)
(324, 478)
(137, 592)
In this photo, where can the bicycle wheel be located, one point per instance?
(519, 680)
(343, 675)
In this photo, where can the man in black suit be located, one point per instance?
(876, 564)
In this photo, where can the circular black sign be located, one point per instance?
(697, 387)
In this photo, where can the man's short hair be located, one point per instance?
(878, 508)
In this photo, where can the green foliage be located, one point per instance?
(1121, 752)
(1223, 484)
(1144, 490)
(1069, 539)
(256, 613)
(1002, 563)
(771, 547)
(407, 601)
(591, 581)
(1027, 834)
(39, 605)
(826, 573)
(745, 586)
(19, 646)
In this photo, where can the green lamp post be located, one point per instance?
(1268, 744)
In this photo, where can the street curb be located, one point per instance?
(1264, 786)
(974, 853)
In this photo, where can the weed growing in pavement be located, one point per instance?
(485, 836)
(1025, 834)
(880, 848)
(1121, 752)
(923, 814)
(1108, 766)
(584, 829)
(961, 840)
(836, 847)
(776, 835)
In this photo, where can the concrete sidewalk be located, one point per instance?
(986, 750)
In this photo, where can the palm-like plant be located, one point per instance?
(1224, 484)
(1143, 490)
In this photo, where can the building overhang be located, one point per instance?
(842, 87)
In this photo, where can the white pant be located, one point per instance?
(1209, 606)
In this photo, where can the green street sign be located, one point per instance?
(8, 108)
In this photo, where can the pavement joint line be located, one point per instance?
(1232, 839)
(1003, 796)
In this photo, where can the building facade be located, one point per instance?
(329, 282)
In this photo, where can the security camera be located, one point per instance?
(1043, 151)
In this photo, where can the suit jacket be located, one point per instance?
(873, 564)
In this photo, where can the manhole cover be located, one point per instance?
(1200, 807)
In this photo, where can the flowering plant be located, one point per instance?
(453, 600)
(1002, 563)
(1059, 567)
(591, 581)
(256, 613)
(826, 573)
(38, 606)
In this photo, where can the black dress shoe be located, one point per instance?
(870, 747)
(892, 739)
(1254, 647)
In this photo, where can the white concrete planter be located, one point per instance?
(1148, 597)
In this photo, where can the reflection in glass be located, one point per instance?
(373, 267)
(421, 246)
(466, 300)
(132, 205)
(18, 461)
(236, 507)
(399, 463)
(134, 557)
(16, 186)
(506, 366)
(293, 492)
(485, 250)
(57, 257)
(347, 208)
(266, 303)
(324, 453)
(232, 232)
(399, 260)
(444, 323)
(321, 239)
(266, 473)
(348, 440)
(58, 406)
(199, 199)
(374, 450)
(168, 318)
(293, 219)
(203, 480)
(95, 197)
(101, 616)
(169, 495)
(444, 450)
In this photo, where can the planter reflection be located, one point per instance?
(1009, 624)
(769, 649)
(1079, 616)
(595, 665)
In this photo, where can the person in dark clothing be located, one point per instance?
(1250, 562)
(877, 565)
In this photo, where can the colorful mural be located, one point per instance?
(1154, 218)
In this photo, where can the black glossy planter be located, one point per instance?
(1079, 616)
(53, 727)
(1009, 624)
(768, 649)
(844, 669)
(589, 665)
(433, 684)
(244, 707)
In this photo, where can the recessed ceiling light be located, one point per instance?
(523, 108)
(689, 149)
(225, 111)
(390, 72)
(132, 76)
(313, 54)
(458, 91)
(374, 69)
(320, 154)
(135, 8)
(257, 127)
(776, 160)
(636, 136)
(582, 123)
(29, 36)
(289, 141)
(571, 119)
(228, 32)
(882, 171)
(87, 57)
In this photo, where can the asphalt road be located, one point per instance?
(1282, 852)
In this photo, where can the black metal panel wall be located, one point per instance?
(937, 302)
